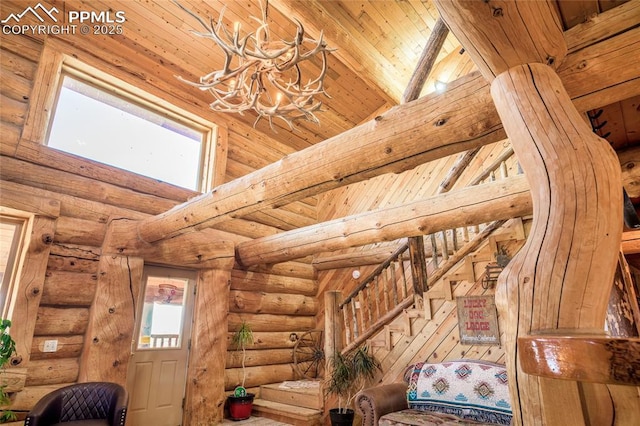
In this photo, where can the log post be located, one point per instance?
(205, 395)
(43, 214)
(25, 306)
(106, 355)
(562, 277)
(332, 324)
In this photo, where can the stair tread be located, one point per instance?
(305, 390)
(263, 404)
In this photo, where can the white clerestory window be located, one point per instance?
(108, 124)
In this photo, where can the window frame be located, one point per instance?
(17, 255)
(58, 60)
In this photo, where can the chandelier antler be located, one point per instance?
(263, 75)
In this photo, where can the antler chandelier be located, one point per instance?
(261, 74)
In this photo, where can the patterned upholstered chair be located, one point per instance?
(81, 404)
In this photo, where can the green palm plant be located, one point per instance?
(7, 349)
(242, 338)
(350, 373)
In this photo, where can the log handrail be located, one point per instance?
(379, 324)
(437, 274)
(384, 265)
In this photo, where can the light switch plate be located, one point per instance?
(50, 346)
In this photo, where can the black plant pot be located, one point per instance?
(341, 417)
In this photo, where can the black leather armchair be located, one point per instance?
(81, 404)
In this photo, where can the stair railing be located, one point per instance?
(388, 291)
(383, 282)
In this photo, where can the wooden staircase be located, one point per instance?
(424, 269)
(393, 307)
(464, 268)
(291, 402)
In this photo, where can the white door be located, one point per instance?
(157, 369)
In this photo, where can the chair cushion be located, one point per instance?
(92, 422)
(468, 389)
(412, 417)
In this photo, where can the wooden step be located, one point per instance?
(307, 394)
(286, 413)
(253, 421)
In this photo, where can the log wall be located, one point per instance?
(278, 300)
(90, 195)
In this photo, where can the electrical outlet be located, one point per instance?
(50, 346)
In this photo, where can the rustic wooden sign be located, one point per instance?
(478, 321)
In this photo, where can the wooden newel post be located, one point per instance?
(332, 325)
(418, 264)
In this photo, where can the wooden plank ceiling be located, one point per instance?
(378, 44)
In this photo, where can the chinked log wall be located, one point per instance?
(280, 299)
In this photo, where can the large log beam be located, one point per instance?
(500, 34)
(562, 276)
(408, 135)
(208, 249)
(503, 199)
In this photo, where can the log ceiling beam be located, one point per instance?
(408, 135)
(426, 62)
(603, 26)
(404, 137)
(354, 259)
(516, 34)
(631, 242)
(504, 199)
(208, 249)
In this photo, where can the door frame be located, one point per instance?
(187, 323)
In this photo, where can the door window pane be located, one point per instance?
(163, 313)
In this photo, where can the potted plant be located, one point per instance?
(349, 374)
(241, 402)
(7, 349)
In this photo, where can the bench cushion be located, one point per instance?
(423, 418)
(468, 389)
